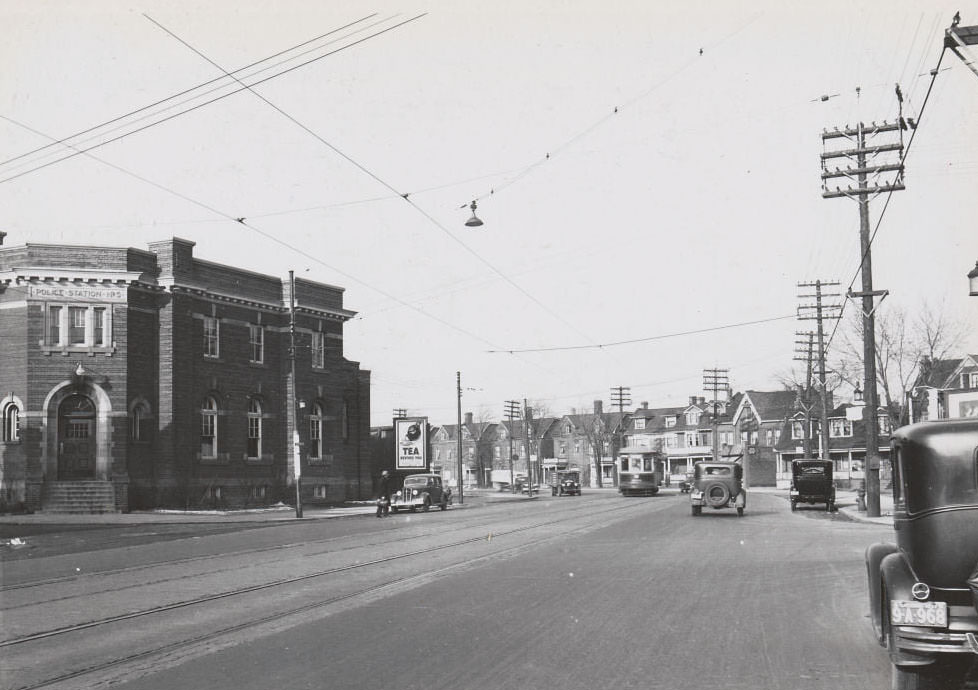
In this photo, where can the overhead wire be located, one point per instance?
(84, 149)
(889, 195)
(63, 140)
(406, 197)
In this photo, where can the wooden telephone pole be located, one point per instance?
(863, 160)
(822, 312)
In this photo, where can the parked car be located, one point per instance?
(566, 483)
(718, 485)
(421, 491)
(811, 482)
(921, 606)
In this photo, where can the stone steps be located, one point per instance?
(78, 497)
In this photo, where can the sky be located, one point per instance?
(648, 173)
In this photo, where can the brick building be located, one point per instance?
(161, 380)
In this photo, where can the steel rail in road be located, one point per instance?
(310, 606)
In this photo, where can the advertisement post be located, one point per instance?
(411, 443)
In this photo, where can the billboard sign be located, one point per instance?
(411, 443)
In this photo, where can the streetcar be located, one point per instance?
(640, 472)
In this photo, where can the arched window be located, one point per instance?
(208, 428)
(316, 432)
(11, 422)
(139, 422)
(254, 428)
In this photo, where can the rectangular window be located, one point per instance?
(98, 326)
(839, 428)
(640, 423)
(211, 337)
(254, 436)
(884, 424)
(315, 437)
(670, 422)
(647, 462)
(797, 431)
(690, 439)
(258, 492)
(76, 325)
(54, 326)
(319, 349)
(208, 436)
(256, 338)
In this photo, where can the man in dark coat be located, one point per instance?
(384, 496)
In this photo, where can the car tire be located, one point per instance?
(717, 495)
(426, 504)
(794, 506)
(444, 503)
(740, 512)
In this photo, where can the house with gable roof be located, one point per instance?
(759, 420)
(847, 443)
(683, 435)
(572, 447)
(477, 451)
(944, 389)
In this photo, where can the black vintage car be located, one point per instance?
(718, 485)
(566, 483)
(921, 606)
(811, 482)
(421, 491)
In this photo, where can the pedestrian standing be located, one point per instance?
(384, 496)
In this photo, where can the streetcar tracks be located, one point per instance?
(168, 648)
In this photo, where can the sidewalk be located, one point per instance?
(845, 503)
(279, 513)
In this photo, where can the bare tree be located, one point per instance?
(601, 439)
(903, 341)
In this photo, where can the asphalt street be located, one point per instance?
(596, 591)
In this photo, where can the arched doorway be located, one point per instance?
(76, 438)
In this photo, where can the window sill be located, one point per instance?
(90, 350)
(265, 459)
(220, 459)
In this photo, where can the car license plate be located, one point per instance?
(926, 613)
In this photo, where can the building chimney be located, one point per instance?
(598, 407)
(692, 400)
(468, 417)
(645, 404)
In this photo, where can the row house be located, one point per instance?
(759, 422)
(156, 379)
(847, 443)
(478, 450)
(944, 389)
(683, 435)
(575, 438)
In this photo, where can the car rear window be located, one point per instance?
(813, 470)
(415, 481)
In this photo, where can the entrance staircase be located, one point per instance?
(80, 497)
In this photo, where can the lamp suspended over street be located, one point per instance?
(474, 221)
(972, 279)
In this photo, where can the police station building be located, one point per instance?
(133, 379)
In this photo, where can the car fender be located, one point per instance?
(897, 583)
(875, 554)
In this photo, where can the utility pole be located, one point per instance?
(887, 177)
(822, 312)
(715, 380)
(620, 396)
(293, 401)
(527, 426)
(458, 433)
(512, 412)
(805, 352)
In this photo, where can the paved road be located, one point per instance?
(591, 592)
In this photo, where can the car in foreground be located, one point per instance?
(811, 482)
(921, 605)
(718, 485)
(566, 483)
(421, 491)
